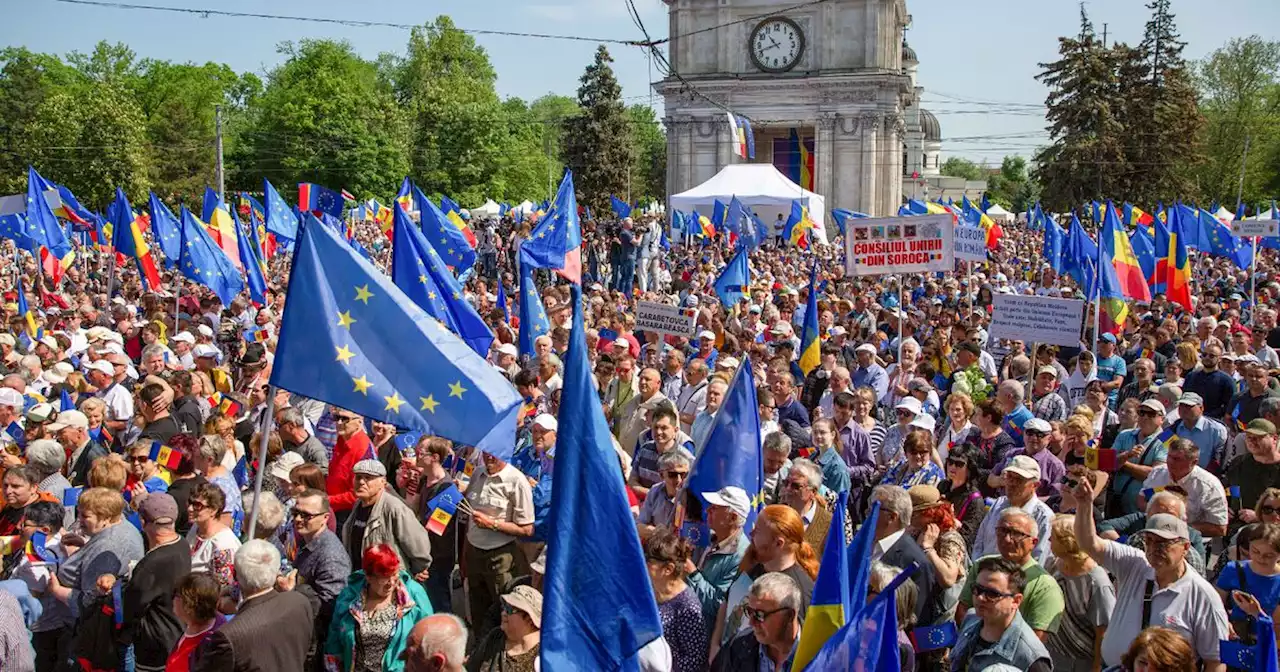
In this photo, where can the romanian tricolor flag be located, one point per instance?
(705, 226)
(442, 508)
(27, 313)
(798, 226)
(256, 336)
(1133, 283)
(1135, 216)
(1176, 266)
(810, 337)
(126, 232)
(165, 456)
(221, 227)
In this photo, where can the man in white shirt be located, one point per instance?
(1206, 500)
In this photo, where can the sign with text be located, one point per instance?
(971, 243)
(1255, 228)
(900, 245)
(666, 319)
(1037, 319)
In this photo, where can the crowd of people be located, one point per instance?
(1068, 508)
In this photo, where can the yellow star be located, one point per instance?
(456, 389)
(362, 385)
(363, 294)
(345, 354)
(345, 319)
(422, 279)
(431, 296)
(394, 402)
(429, 403)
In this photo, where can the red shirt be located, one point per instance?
(340, 483)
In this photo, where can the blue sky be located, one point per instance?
(978, 58)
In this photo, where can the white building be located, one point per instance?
(837, 75)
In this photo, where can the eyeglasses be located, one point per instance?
(1148, 413)
(986, 593)
(196, 505)
(1031, 432)
(343, 419)
(510, 610)
(1015, 535)
(918, 453)
(759, 616)
(957, 463)
(796, 486)
(1268, 510)
(1071, 483)
(304, 516)
(139, 459)
(904, 413)
(677, 475)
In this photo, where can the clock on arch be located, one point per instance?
(776, 44)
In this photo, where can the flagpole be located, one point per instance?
(1097, 289)
(1253, 283)
(267, 422)
(901, 320)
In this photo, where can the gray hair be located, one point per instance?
(291, 416)
(777, 442)
(270, 510)
(1014, 512)
(1269, 406)
(905, 596)
(894, 498)
(1185, 448)
(257, 564)
(27, 363)
(1164, 498)
(811, 472)
(780, 587)
(213, 448)
(46, 456)
(674, 458)
(449, 638)
(153, 350)
(1014, 390)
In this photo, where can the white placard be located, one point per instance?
(666, 319)
(900, 245)
(1255, 228)
(971, 243)
(17, 203)
(1037, 319)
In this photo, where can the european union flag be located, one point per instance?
(533, 317)
(1080, 258)
(450, 243)
(734, 279)
(166, 230)
(502, 300)
(556, 242)
(204, 262)
(14, 227)
(934, 637)
(350, 338)
(731, 454)
(1259, 657)
(315, 198)
(252, 267)
(596, 615)
(1144, 250)
(42, 225)
(281, 220)
(421, 274)
(1220, 242)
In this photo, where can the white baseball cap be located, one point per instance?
(731, 497)
(547, 422)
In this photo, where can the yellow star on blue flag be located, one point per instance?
(352, 338)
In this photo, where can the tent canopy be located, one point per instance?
(489, 209)
(759, 185)
(999, 214)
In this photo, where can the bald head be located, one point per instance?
(437, 643)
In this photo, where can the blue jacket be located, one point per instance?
(413, 604)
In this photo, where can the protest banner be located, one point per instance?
(900, 245)
(971, 243)
(665, 319)
(1037, 319)
(1255, 228)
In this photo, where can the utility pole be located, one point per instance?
(1104, 36)
(217, 139)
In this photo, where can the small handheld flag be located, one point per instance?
(442, 508)
(165, 456)
(697, 532)
(932, 638)
(1100, 459)
(256, 335)
(71, 496)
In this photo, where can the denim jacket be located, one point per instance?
(1018, 646)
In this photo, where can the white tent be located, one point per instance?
(1269, 213)
(1224, 214)
(489, 209)
(999, 214)
(759, 185)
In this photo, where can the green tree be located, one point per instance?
(458, 128)
(324, 117)
(598, 141)
(1013, 187)
(27, 81)
(529, 165)
(648, 155)
(956, 166)
(1239, 88)
(1086, 156)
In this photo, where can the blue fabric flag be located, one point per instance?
(620, 207)
(869, 641)
(1054, 242)
(859, 553)
(450, 243)
(64, 401)
(556, 242)
(166, 230)
(502, 300)
(734, 280)
(1216, 239)
(596, 615)
(204, 262)
(533, 317)
(252, 267)
(1258, 657)
(421, 274)
(42, 225)
(1080, 258)
(1144, 249)
(315, 198)
(718, 211)
(731, 454)
(448, 205)
(211, 201)
(281, 219)
(350, 338)
(843, 216)
(14, 227)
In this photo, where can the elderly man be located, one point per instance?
(292, 427)
(893, 546)
(773, 610)
(1042, 601)
(1206, 500)
(1036, 433)
(437, 643)
(1020, 478)
(379, 517)
(107, 375)
(1164, 501)
(148, 596)
(869, 373)
(1009, 397)
(782, 384)
(706, 417)
(501, 502)
(183, 342)
(634, 415)
(802, 491)
(1138, 451)
(11, 404)
(1046, 403)
(693, 394)
(659, 506)
(271, 631)
(322, 566)
(1154, 586)
(998, 634)
(711, 576)
(1143, 386)
(1209, 435)
(72, 431)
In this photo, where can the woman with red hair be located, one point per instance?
(374, 614)
(935, 528)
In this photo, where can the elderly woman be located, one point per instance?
(374, 614)
(936, 530)
(667, 557)
(991, 443)
(110, 551)
(47, 458)
(957, 427)
(95, 410)
(273, 524)
(890, 453)
(516, 643)
(213, 544)
(918, 469)
(210, 460)
(1076, 646)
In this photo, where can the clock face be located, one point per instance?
(776, 44)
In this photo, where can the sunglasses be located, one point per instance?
(986, 593)
(904, 413)
(196, 505)
(918, 453)
(677, 475)
(510, 610)
(304, 516)
(1032, 432)
(1148, 413)
(796, 486)
(139, 459)
(957, 463)
(1268, 510)
(758, 615)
